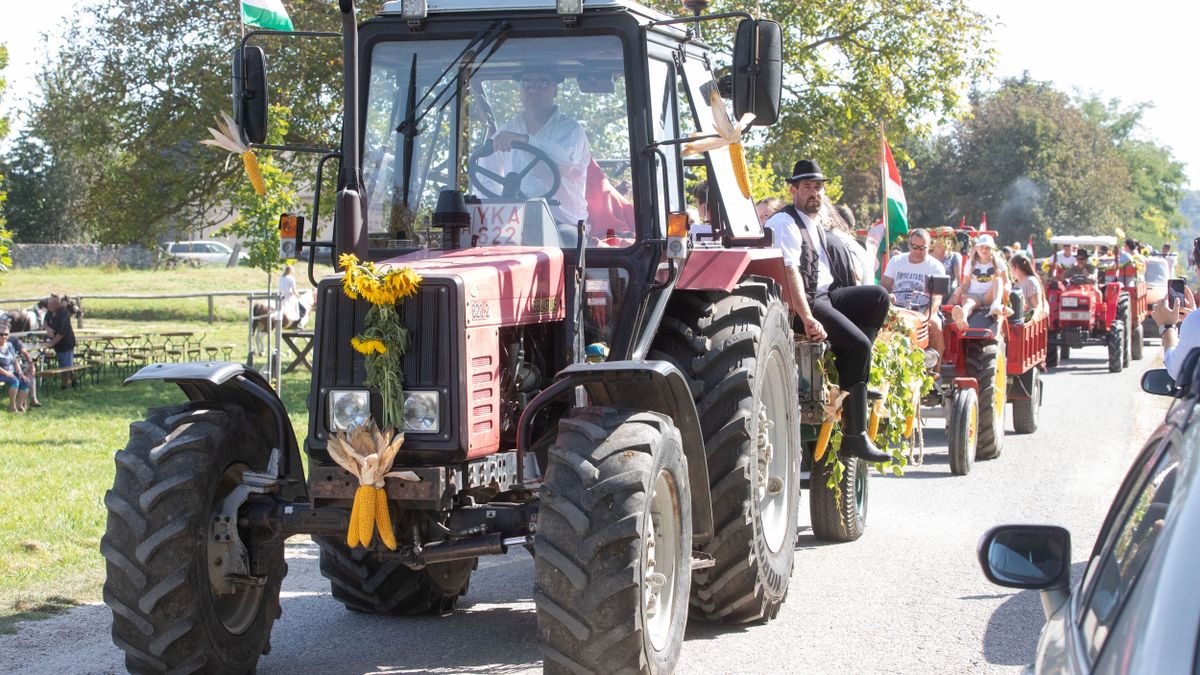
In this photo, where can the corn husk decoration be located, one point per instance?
(367, 453)
(831, 414)
(726, 134)
(878, 410)
(227, 136)
(914, 389)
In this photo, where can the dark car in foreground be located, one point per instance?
(1137, 608)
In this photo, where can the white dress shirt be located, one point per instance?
(564, 140)
(789, 240)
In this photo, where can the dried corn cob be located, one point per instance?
(383, 519)
(352, 530)
(250, 161)
(738, 154)
(366, 518)
(823, 441)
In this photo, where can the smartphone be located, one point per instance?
(1176, 285)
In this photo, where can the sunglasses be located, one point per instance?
(912, 247)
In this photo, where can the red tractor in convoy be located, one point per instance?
(985, 366)
(1104, 308)
(663, 476)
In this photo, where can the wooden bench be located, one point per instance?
(81, 369)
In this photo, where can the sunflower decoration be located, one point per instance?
(384, 339)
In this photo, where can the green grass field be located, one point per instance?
(56, 461)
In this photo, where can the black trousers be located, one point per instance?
(852, 317)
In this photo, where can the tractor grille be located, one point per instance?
(429, 320)
(432, 361)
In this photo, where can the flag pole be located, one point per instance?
(887, 235)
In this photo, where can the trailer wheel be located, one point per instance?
(962, 431)
(1136, 342)
(737, 350)
(1064, 352)
(1126, 315)
(831, 520)
(986, 364)
(169, 614)
(365, 583)
(1116, 347)
(612, 555)
(1025, 413)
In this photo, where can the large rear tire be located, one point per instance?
(986, 364)
(962, 431)
(1052, 356)
(835, 519)
(612, 555)
(1025, 413)
(364, 583)
(172, 477)
(1116, 347)
(736, 349)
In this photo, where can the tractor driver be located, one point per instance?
(1081, 268)
(542, 125)
(825, 301)
(906, 277)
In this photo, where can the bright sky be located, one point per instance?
(1145, 51)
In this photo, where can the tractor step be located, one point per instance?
(702, 560)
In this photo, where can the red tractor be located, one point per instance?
(1087, 309)
(985, 366)
(664, 475)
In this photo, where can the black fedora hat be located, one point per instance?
(807, 169)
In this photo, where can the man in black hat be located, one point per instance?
(826, 302)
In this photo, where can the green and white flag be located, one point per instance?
(267, 14)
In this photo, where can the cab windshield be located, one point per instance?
(534, 131)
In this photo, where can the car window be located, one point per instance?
(1125, 554)
(181, 248)
(208, 248)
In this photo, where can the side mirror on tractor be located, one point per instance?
(758, 70)
(938, 284)
(250, 93)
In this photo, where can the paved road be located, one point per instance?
(906, 598)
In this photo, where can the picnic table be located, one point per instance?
(301, 344)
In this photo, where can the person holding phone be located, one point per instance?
(1178, 325)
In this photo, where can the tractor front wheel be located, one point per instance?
(612, 557)
(172, 609)
(363, 582)
(962, 431)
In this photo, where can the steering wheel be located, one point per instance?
(511, 182)
(1081, 280)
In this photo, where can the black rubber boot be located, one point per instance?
(854, 428)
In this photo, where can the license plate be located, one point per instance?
(497, 224)
(1074, 316)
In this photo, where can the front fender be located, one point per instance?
(234, 383)
(655, 386)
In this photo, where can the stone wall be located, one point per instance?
(81, 255)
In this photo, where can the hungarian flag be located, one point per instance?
(266, 14)
(895, 220)
(1029, 248)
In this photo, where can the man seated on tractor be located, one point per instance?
(986, 283)
(1082, 266)
(826, 302)
(541, 125)
(906, 277)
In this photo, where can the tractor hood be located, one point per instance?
(501, 285)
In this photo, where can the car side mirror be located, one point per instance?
(938, 284)
(1026, 556)
(757, 70)
(250, 93)
(1157, 381)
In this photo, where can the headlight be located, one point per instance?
(1070, 301)
(422, 411)
(348, 409)
(931, 359)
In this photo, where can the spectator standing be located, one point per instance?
(62, 336)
